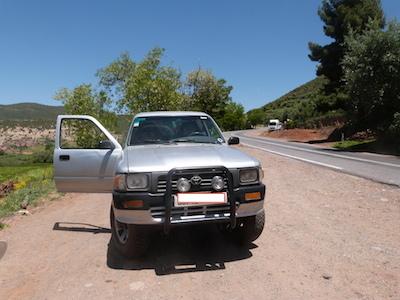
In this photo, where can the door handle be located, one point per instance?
(64, 157)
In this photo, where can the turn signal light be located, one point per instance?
(252, 196)
(133, 203)
(119, 182)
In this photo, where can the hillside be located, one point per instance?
(29, 111)
(296, 97)
(299, 106)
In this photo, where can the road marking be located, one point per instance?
(295, 157)
(322, 153)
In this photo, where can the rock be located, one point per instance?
(376, 248)
(24, 212)
(6, 188)
(326, 276)
(24, 204)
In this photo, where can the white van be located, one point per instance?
(274, 124)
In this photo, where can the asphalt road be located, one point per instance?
(377, 167)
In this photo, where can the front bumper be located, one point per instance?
(153, 210)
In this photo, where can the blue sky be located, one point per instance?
(259, 47)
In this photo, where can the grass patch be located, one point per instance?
(351, 144)
(30, 187)
(29, 195)
(12, 160)
(16, 173)
(32, 181)
(372, 146)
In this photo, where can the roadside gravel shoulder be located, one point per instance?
(328, 236)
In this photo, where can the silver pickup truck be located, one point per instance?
(175, 168)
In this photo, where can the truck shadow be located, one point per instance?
(185, 249)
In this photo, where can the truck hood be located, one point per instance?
(162, 158)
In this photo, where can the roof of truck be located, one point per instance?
(170, 113)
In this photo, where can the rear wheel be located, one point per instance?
(130, 240)
(247, 229)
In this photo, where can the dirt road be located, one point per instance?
(328, 236)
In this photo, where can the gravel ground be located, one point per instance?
(328, 236)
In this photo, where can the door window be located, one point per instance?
(80, 134)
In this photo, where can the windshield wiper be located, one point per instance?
(185, 140)
(155, 141)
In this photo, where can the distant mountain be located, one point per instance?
(29, 112)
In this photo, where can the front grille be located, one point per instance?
(173, 215)
(188, 211)
(204, 186)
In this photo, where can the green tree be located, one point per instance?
(372, 76)
(142, 86)
(82, 100)
(204, 92)
(256, 117)
(339, 17)
(234, 117)
(132, 87)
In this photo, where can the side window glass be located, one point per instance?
(80, 134)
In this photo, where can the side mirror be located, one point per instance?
(106, 145)
(233, 140)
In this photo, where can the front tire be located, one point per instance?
(130, 240)
(247, 229)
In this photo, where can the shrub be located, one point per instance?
(43, 157)
(394, 128)
(46, 155)
(290, 124)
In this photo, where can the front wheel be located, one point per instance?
(130, 240)
(247, 229)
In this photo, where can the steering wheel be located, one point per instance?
(197, 133)
(165, 132)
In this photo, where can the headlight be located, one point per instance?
(248, 176)
(183, 185)
(218, 183)
(137, 181)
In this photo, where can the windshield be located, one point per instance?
(272, 123)
(174, 129)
